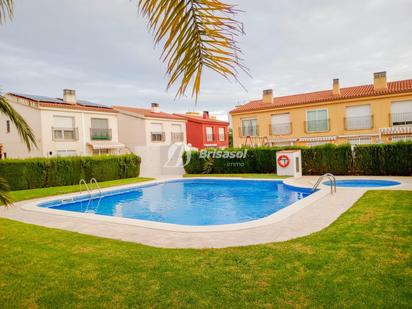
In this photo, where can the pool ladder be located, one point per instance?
(332, 181)
(93, 180)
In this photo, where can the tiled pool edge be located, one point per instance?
(278, 216)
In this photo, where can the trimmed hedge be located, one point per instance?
(385, 159)
(62, 171)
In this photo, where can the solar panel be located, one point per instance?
(40, 98)
(91, 104)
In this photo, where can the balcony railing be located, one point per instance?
(400, 119)
(359, 123)
(65, 134)
(158, 136)
(177, 137)
(313, 126)
(249, 131)
(280, 128)
(100, 134)
(210, 137)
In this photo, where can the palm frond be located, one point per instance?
(196, 34)
(6, 10)
(5, 198)
(22, 127)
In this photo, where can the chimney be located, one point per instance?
(205, 115)
(69, 96)
(336, 87)
(155, 108)
(267, 96)
(379, 81)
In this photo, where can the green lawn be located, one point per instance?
(41, 192)
(364, 259)
(267, 176)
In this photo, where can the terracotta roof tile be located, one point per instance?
(326, 95)
(200, 119)
(146, 112)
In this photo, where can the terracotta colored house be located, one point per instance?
(205, 132)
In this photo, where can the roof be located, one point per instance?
(147, 112)
(200, 119)
(59, 103)
(395, 87)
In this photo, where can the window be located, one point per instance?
(317, 120)
(221, 134)
(177, 134)
(317, 143)
(209, 134)
(5, 155)
(100, 129)
(401, 113)
(156, 132)
(66, 153)
(100, 151)
(281, 124)
(358, 117)
(8, 126)
(360, 141)
(249, 127)
(401, 138)
(63, 128)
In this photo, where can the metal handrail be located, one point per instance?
(332, 180)
(97, 185)
(82, 181)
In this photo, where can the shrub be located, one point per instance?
(44, 172)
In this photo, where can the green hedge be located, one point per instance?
(49, 172)
(385, 159)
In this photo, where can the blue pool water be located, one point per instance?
(363, 183)
(191, 201)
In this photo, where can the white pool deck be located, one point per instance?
(302, 218)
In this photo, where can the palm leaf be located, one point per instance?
(196, 34)
(5, 198)
(6, 10)
(22, 127)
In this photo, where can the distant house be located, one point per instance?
(149, 127)
(62, 126)
(205, 132)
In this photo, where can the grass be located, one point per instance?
(362, 260)
(41, 192)
(266, 176)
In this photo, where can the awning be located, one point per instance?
(396, 130)
(317, 139)
(359, 135)
(106, 145)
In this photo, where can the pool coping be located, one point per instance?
(277, 216)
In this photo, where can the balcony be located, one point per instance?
(280, 128)
(249, 131)
(100, 134)
(177, 137)
(65, 134)
(210, 137)
(359, 123)
(315, 126)
(157, 136)
(400, 119)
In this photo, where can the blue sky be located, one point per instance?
(104, 51)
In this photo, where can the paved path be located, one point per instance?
(308, 220)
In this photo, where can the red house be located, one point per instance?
(205, 132)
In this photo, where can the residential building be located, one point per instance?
(62, 127)
(204, 131)
(149, 127)
(377, 113)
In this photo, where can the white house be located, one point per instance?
(63, 127)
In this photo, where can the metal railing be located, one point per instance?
(332, 181)
(93, 180)
(82, 181)
(65, 134)
(359, 123)
(177, 137)
(400, 119)
(249, 131)
(313, 126)
(100, 134)
(280, 129)
(157, 136)
(210, 137)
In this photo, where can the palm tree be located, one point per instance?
(26, 135)
(195, 34)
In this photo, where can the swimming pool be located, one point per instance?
(363, 183)
(194, 202)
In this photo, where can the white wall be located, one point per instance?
(167, 129)
(131, 131)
